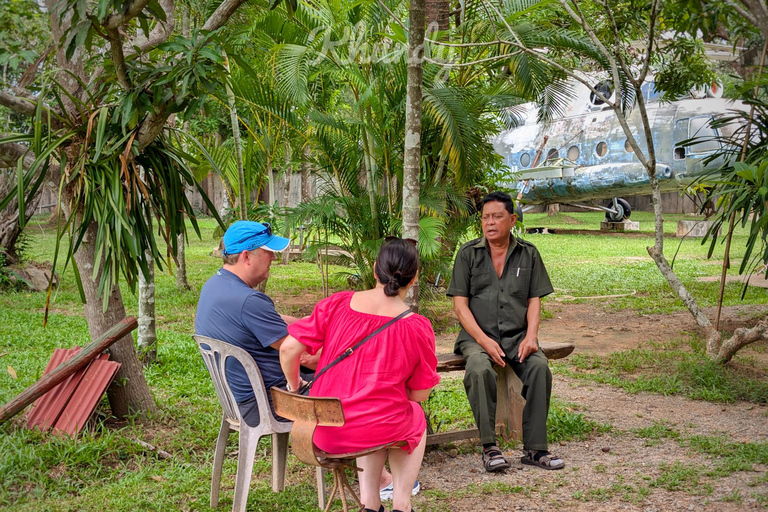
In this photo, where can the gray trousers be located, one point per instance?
(480, 384)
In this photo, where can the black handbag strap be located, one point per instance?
(303, 390)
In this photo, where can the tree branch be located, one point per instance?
(116, 21)
(151, 127)
(220, 16)
(11, 152)
(742, 337)
(116, 48)
(758, 15)
(742, 12)
(159, 33)
(26, 106)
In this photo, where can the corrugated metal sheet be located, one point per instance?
(96, 380)
(48, 407)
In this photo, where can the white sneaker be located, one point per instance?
(388, 492)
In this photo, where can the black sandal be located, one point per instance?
(493, 460)
(542, 459)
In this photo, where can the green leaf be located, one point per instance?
(144, 25)
(157, 11)
(100, 132)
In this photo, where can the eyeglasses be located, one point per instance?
(267, 229)
(388, 239)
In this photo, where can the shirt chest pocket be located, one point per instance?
(480, 281)
(520, 282)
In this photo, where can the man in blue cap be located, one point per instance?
(231, 310)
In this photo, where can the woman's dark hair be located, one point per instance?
(396, 265)
(500, 197)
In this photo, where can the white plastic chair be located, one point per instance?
(215, 357)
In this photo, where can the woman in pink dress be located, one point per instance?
(381, 383)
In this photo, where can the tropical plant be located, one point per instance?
(97, 119)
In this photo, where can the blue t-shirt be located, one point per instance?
(229, 310)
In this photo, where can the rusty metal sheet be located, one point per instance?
(48, 407)
(81, 405)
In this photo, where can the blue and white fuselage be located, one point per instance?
(587, 155)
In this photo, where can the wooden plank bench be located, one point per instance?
(509, 402)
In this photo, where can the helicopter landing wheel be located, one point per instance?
(623, 211)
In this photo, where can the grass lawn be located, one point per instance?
(104, 469)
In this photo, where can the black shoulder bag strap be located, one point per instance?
(303, 390)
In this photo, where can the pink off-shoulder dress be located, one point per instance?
(371, 383)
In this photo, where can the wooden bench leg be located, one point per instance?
(509, 404)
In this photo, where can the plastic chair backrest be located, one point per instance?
(215, 354)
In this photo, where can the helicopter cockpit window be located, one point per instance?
(602, 149)
(605, 88)
(552, 154)
(701, 130)
(628, 147)
(679, 135)
(525, 160)
(573, 153)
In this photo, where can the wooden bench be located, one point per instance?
(509, 402)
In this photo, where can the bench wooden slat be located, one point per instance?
(453, 362)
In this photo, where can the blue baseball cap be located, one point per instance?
(247, 235)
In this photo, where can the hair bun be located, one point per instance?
(397, 275)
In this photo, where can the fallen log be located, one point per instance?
(64, 370)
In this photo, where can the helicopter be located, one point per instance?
(585, 155)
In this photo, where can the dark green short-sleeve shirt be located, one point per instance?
(499, 305)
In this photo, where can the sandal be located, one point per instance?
(493, 460)
(542, 459)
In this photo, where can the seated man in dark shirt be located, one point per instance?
(231, 310)
(497, 285)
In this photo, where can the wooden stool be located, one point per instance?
(307, 413)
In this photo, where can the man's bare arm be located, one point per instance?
(529, 345)
(288, 319)
(467, 320)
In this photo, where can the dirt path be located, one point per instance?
(628, 476)
(624, 469)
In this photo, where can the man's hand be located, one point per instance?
(493, 349)
(527, 347)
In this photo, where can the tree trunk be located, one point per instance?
(437, 12)
(370, 177)
(306, 176)
(413, 110)
(129, 393)
(270, 181)
(147, 337)
(242, 202)
(287, 175)
(9, 217)
(10, 230)
(741, 338)
(182, 283)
